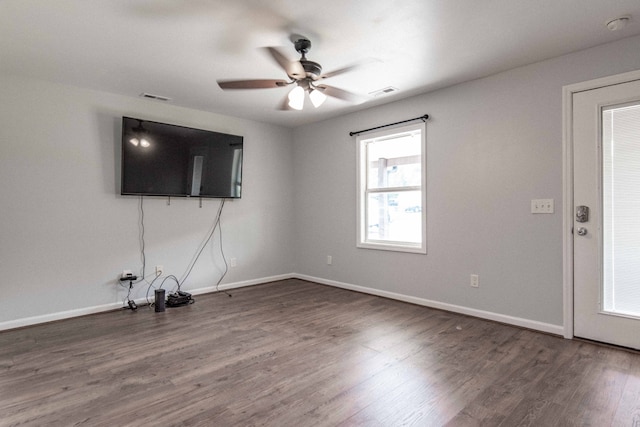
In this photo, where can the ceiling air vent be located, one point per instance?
(385, 91)
(155, 97)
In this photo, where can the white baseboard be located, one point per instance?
(510, 320)
(45, 318)
(242, 284)
(516, 321)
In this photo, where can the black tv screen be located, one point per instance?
(160, 159)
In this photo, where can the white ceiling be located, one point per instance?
(179, 48)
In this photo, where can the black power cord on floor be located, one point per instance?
(216, 225)
(132, 305)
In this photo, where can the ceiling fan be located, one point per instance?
(305, 74)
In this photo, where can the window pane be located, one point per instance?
(395, 217)
(621, 204)
(394, 162)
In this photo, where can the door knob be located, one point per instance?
(582, 231)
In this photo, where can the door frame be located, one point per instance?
(567, 184)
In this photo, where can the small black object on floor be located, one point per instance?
(179, 298)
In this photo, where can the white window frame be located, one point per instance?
(362, 173)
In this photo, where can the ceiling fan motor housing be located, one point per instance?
(313, 69)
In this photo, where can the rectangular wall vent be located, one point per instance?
(155, 97)
(384, 91)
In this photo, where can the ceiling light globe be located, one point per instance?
(296, 98)
(317, 97)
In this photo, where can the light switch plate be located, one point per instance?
(542, 206)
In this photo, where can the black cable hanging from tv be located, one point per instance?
(423, 118)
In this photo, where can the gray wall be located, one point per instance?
(493, 144)
(66, 232)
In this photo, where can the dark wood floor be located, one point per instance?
(294, 353)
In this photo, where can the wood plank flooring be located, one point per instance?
(295, 353)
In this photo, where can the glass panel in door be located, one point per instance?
(621, 209)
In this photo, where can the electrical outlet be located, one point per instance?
(233, 262)
(475, 281)
(159, 270)
(329, 259)
(126, 273)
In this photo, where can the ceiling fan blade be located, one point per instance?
(348, 68)
(340, 71)
(341, 94)
(293, 69)
(251, 84)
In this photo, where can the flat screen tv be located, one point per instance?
(160, 159)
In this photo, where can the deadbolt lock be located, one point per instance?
(582, 213)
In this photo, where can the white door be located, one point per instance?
(606, 168)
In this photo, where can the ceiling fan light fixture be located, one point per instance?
(303, 74)
(317, 97)
(296, 98)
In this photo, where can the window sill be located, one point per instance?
(416, 249)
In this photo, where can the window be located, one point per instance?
(392, 189)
